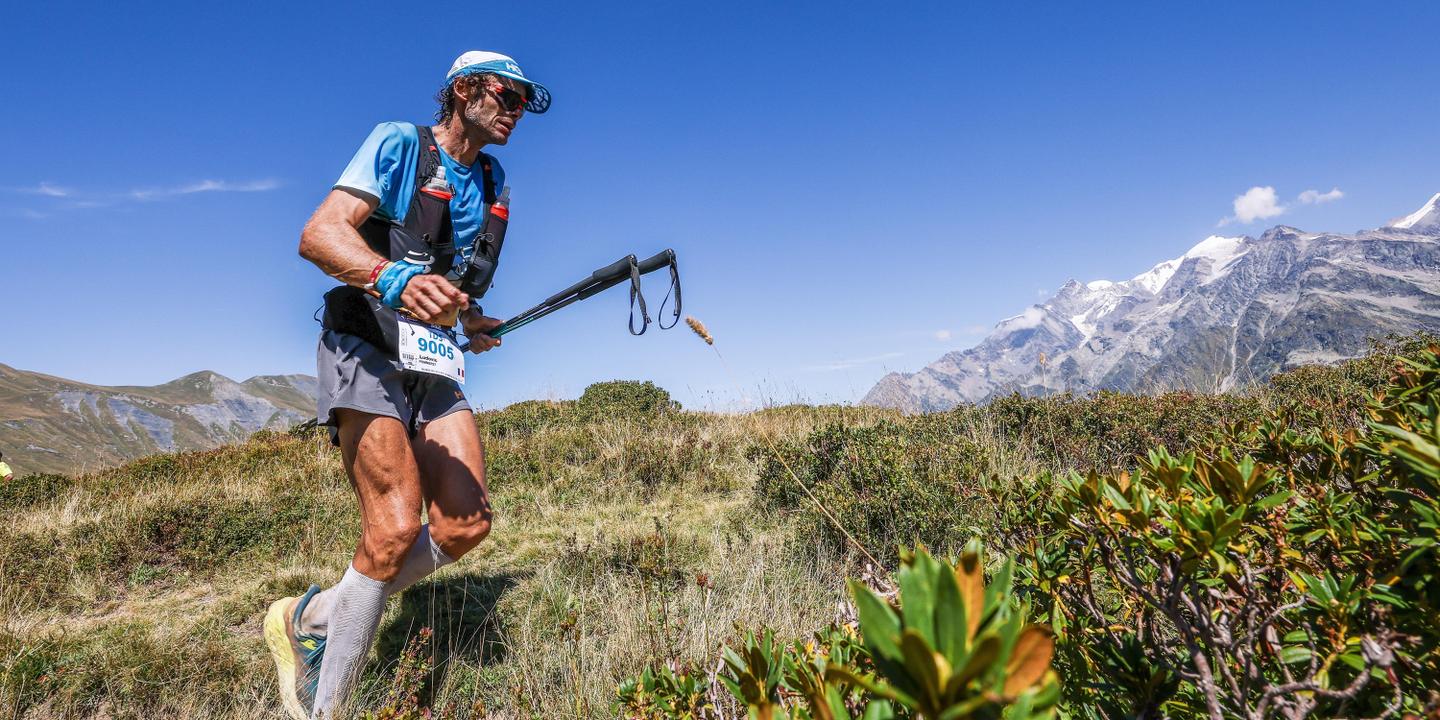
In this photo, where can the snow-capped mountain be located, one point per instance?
(1229, 311)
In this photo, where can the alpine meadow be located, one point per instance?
(1264, 553)
(749, 360)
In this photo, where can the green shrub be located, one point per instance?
(956, 647)
(524, 419)
(195, 535)
(1272, 571)
(660, 693)
(24, 492)
(624, 399)
(38, 575)
(1108, 430)
(887, 484)
(575, 460)
(559, 458)
(951, 646)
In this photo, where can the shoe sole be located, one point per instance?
(279, 642)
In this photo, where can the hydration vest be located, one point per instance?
(425, 238)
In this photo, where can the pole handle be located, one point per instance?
(661, 259)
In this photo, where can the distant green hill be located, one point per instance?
(50, 424)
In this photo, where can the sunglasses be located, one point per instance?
(509, 99)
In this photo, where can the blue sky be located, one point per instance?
(851, 188)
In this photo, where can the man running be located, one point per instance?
(5, 473)
(389, 229)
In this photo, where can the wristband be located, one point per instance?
(393, 279)
(375, 274)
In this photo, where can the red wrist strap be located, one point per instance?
(375, 274)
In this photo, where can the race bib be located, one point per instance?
(426, 349)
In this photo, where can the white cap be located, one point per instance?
(482, 61)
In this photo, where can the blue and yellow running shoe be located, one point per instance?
(297, 655)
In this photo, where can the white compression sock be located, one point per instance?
(358, 603)
(424, 557)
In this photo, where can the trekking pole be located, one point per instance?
(600, 280)
(603, 279)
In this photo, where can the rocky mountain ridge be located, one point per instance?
(1231, 310)
(51, 424)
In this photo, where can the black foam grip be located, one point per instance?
(616, 269)
(661, 259)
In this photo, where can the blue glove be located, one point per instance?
(394, 278)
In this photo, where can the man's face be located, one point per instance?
(486, 113)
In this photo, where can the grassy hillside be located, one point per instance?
(51, 424)
(629, 534)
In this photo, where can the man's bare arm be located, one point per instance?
(331, 241)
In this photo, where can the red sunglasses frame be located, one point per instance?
(501, 93)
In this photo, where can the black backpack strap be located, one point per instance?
(426, 163)
(487, 170)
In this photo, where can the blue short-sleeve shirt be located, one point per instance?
(384, 168)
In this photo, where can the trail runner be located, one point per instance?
(407, 437)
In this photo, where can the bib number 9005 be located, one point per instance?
(436, 348)
(427, 349)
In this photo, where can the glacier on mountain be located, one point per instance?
(1230, 311)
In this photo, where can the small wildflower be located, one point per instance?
(699, 329)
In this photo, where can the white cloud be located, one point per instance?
(976, 329)
(941, 335)
(48, 189)
(204, 186)
(853, 362)
(1258, 203)
(1315, 197)
(79, 200)
(1261, 203)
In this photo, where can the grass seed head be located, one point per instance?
(699, 329)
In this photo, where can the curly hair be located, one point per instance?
(446, 96)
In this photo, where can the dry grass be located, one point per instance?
(616, 544)
(627, 533)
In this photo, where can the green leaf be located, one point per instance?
(879, 710)
(920, 662)
(1273, 500)
(917, 595)
(952, 637)
(982, 659)
(964, 709)
(879, 625)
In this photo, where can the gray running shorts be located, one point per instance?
(356, 375)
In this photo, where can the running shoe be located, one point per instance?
(297, 655)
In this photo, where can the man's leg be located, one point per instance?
(452, 471)
(378, 458)
(452, 466)
(451, 462)
(451, 459)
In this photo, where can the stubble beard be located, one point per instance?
(481, 124)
